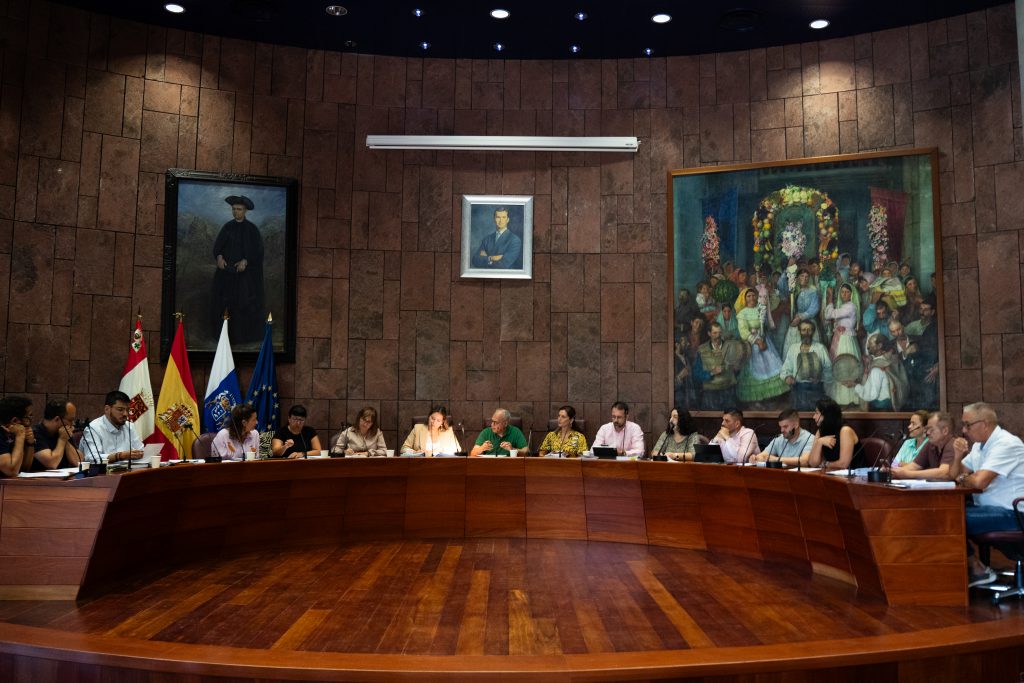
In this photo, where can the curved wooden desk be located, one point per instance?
(904, 546)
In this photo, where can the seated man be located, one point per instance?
(111, 434)
(626, 437)
(793, 444)
(500, 438)
(738, 442)
(16, 438)
(932, 461)
(54, 447)
(995, 465)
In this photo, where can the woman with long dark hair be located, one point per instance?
(679, 437)
(835, 443)
(565, 439)
(239, 440)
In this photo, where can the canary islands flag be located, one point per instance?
(222, 392)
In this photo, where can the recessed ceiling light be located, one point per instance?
(174, 8)
(499, 46)
(500, 13)
(336, 10)
(648, 51)
(417, 12)
(661, 18)
(349, 44)
(580, 16)
(424, 45)
(819, 23)
(575, 49)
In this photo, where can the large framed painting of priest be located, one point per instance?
(229, 250)
(810, 278)
(497, 237)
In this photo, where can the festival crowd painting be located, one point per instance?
(807, 279)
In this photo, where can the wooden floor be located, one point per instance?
(487, 597)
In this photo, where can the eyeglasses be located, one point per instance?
(293, 418)
(968, 425)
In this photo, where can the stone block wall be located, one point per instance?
(93, 110)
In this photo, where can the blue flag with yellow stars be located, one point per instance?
(263, 387)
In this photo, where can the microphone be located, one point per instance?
(64, 426)
(128, 423)
(305, 448)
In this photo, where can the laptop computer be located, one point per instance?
(605, 452)
(711, 453)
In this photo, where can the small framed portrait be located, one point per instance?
(497, 236)
(229, 249)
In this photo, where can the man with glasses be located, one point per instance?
(500, 438)
(625, 436)
(17, 442)
(934, 459)
(55, 448)
(995, 465)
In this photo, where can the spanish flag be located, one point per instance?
(176, 410)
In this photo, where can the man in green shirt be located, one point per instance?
(500, 437)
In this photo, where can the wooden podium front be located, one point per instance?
(56, 538)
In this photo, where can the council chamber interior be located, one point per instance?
(514, 569)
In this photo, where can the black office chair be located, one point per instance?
(1011, 544)
(203, 446)
(877, 450)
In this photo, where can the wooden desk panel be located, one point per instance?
(874, 536)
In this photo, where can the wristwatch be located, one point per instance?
(961, 479)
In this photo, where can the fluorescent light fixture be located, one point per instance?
(525, 143)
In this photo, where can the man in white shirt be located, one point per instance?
(995, 464)
(738, 442)
(112, 434)
(626, 437)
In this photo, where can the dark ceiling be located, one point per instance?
(535, 29)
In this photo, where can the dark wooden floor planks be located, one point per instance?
(490, 596)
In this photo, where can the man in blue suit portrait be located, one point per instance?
(502, 249)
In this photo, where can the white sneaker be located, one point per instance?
(985, 577)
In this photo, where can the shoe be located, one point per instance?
(985, 577)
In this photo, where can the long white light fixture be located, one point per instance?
(518, 143)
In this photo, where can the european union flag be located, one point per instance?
(263, 387)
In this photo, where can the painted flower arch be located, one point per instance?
(826, 215)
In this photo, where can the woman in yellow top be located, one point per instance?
(565, 439)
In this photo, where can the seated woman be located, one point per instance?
(836, 445)
(565, 440)
(432, 438)
(295, 439)
(363, 438)
(239, 439)
(917, 437)
(680, 437)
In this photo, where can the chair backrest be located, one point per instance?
(203, 446)
(422, 420)
(877, 450)
(579, 424)
(516, 420)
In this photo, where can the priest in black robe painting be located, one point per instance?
(238, 279)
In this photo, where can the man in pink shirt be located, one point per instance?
(624, 436)
(738, 442)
